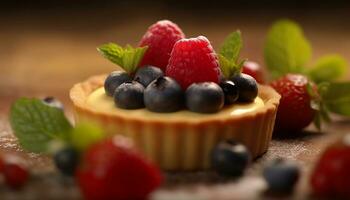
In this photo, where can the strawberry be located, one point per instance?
(16, 175)
(331, 176)
(294, 112)
(15, 171)
(112, 169)
(2, 163)
(254, 69)
(160, 39)
(192, 61)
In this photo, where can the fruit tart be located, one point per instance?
(177, 98)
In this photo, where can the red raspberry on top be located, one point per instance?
(113, 169)
(294, 112)
(160, 39)
(192, 61)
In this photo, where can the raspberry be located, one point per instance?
(112, 169)
(294, 112)
(331, 176)
(192, 61)
(160, 39)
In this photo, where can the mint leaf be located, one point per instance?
(229, 53)
(84, 134)
(232, 46)
(318, 105)
(336, 97)
(286, 48)
(228, 68)
(328, 68)
(127, 58)
(35, 124)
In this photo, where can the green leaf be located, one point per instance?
(328, 68)
(35, 124)
(324, 112)
(286, 48)
(228, 68)
(336, 97)
(85, 134)
(127, 58)
(317, 103)
(229, 53)
(232, 46)
(317, 122)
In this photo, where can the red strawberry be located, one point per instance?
(2, 163)
(331, 176)
(160, 39)
(15, 171)
(193, 60)
(294, 112)
(254, 69)
(112, 169)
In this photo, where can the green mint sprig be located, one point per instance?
(322, 112)
(38, 125)
(328, 68)
(127, 58)
(287, 50)
(336, 97)
(330, 97)
(229, 54)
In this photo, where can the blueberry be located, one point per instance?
(163, 95)
(66, 160)
(129, 95)
(115, 79)
(247, 87)
(229, 158)
(230, 90)
(51, 101)
(146, 74)
(206, 97)
(281, 175)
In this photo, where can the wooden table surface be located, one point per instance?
(46, 53)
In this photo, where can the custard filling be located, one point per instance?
(100, 102)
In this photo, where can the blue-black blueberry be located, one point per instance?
(129, 95)
(163, 95)
(113, 81)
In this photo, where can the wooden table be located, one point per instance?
(46, 53)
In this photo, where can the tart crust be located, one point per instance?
(182, 144)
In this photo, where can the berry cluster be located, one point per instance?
(103, 169)
(158, 93)
(102, 166)
(230, 159)
(175, 73)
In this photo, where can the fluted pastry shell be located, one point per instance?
(181, 144)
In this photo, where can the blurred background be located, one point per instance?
(47, 46)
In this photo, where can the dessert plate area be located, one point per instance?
(202, 185)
